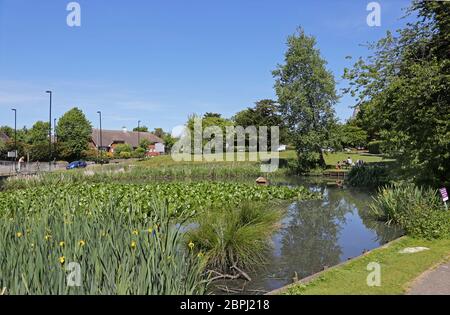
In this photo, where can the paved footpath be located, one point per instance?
(433, 282)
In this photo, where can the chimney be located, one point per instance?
(124, 129)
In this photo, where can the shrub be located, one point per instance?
(125, 155)
(375, 147)
(373, 175)
(235, 236)
(419, 211)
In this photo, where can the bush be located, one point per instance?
(236, 236)
(375, 147)
(139, 153)
(419, 211)
(125, 155)
(371, 176)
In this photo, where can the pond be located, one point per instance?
(317, 234)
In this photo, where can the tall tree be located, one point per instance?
(403, 93)
(74, 132)
(38, 133)
(306, 93)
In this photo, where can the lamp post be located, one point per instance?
(15, 137)
(50, 132)
(101, 137)
(139, 133)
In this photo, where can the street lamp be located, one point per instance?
(101, 137)
(50, 132)
(15, 137)
(139, 133)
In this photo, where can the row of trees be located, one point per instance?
(72, 137)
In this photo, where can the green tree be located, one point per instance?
(74, 133)
(403, 93)
(352, 136)
(38, 134)
(159, 132)
(306, 94)
(144, 143)
(141, 129)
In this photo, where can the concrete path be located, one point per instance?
(433, 282)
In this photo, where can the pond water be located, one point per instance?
(317, 234)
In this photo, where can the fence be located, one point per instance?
(11, 168)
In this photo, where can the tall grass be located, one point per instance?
(119, 252)
(129, 173)
(236, 236)
(371, 176)
(419, 211)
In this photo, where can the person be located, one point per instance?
(349, 161)
(21, 161)
(338, 165)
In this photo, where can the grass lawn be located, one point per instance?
(167, 159)
(397, 270)
(331, 159)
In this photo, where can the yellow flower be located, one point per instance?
(191, 245)
(61, 244)
(62, 260)
(81, 243)
(133, 244)
(200, 255)
(135, 232)
(150, 230)
(19, 234)
(103, 234)
(48, 237)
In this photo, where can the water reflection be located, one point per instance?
(321, 233)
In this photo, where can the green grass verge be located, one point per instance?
(397, 270)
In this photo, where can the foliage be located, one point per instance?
(118, 251)
(140, 173)
(264, 114)
(138, 153)
(124, 155)
(181, 196)
(368, 175)
(38, 134)
(306, 93)
(404, 97)
(235, 236)
(419, 211)
(352, 136)
(118, 149)
(141, 129)
(375, 147)
(74, 132)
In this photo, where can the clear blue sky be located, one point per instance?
(159, 61)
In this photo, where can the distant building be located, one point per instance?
(112, 138)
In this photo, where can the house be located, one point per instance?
(112, 138)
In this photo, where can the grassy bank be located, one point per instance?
(397, 270)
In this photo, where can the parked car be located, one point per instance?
(76, 164)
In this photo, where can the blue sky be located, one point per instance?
(159, 61)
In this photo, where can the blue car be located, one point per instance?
(76, 164)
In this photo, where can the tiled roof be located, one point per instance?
(129, 137)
